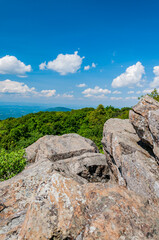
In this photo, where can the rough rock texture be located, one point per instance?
(92, 167)
(69, 191)
(153, 123)
(59, 147)
(130, 162)
(139, 118)
(43, 204)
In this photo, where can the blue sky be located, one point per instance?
(92, 51)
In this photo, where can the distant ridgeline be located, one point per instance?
(7, 111)
(17, 133)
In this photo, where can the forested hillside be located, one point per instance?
(16, 133)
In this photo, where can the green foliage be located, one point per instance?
(11, 163)
(154, 94)
(17, 133)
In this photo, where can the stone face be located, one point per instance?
(130, 161)
(59, 147)
(91, 167)
(43, 204)
(139, 118)
(153, 123)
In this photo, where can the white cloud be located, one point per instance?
(116, 98)
(155, 82)
(81, 85)
(93, 65)
(8, 86)
(65, 95)
(130, 92)
(96, 92)
(11, 65)
(64, 64)
(13, 87)
(131, 98)
(147, 91)
(138, 92)
(86, 68)
(42, 66)
(48, 93)
(132, 76)
(116, 92)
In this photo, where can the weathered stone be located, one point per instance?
(91, 167)
(153, 123)
(129, 160)
(59, 147)
(44, 205)
(139, 118)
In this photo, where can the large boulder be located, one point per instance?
(153, 123)
(140, 117)
(131, 162)
(91, 167)
(59, 147)
(43, 204)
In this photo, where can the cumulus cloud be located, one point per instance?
(64, 64)
(81, 85)
(13, 87)
(138, 92)
(8, 86)
(132, 76)
(97, 91)
(42, 66)
(130, 92)
(116, 98)
(147, 91)
(64, 95)
(93, 65)
(116, 92)
(128, 98)
(155, 82)
(11, 65)
(86, 68)
(48, 93)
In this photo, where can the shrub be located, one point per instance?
(11, 163)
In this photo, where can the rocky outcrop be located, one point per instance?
(91, 167)
(41, 203)
(59, 147)
(153, 123)
(141, 118)
(69, 191)
(131, 163)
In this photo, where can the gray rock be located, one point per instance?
(59, 147)
(90, 167)
(43, 204)
(130, 161)
(153, 123)
(139, 118)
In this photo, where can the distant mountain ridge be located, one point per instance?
(58, 109)
(15, 111)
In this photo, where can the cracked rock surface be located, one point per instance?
(69, 191)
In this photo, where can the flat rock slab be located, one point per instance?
(59, 147)
(43, 204)
(131, 163)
